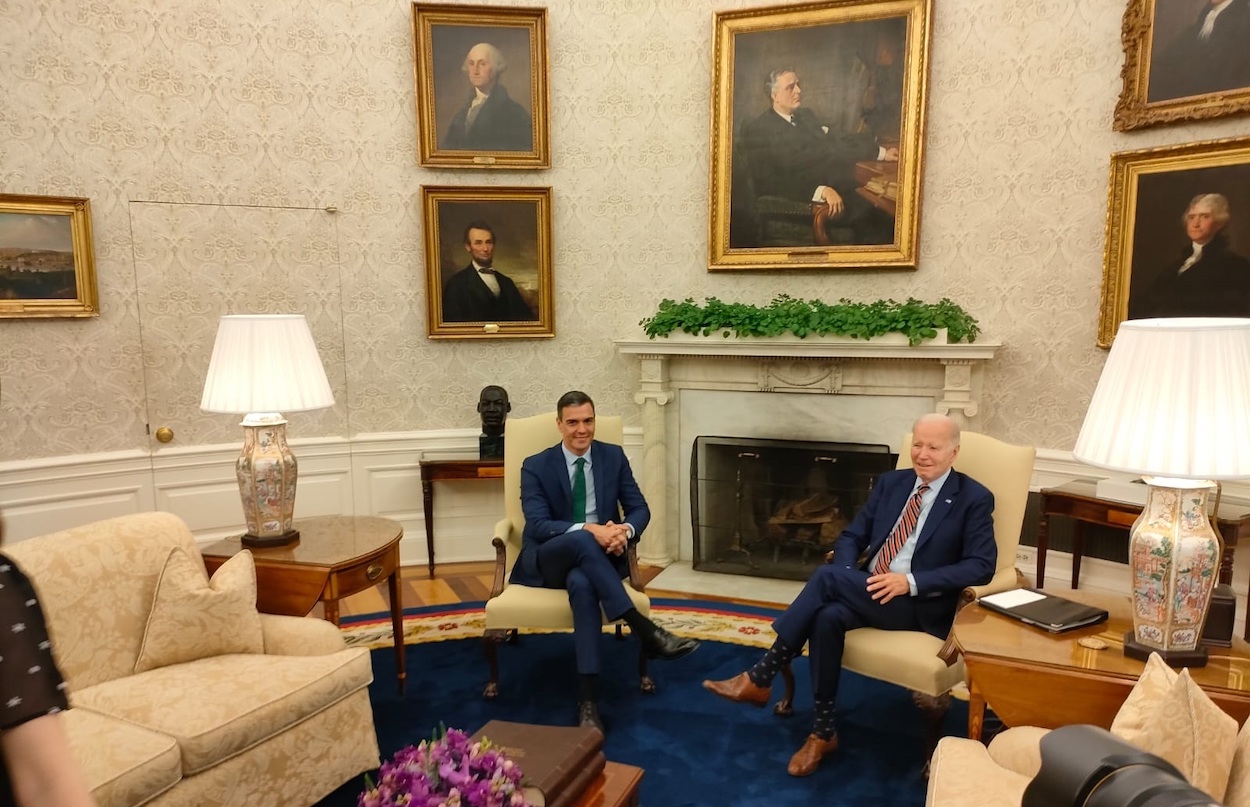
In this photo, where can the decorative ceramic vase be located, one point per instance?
(1174, 560)
(267, 475)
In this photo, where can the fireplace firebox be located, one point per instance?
(771, 508)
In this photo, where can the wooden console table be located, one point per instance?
(442, 470)
(335, 557)
(1030, 677)
(1078, 500)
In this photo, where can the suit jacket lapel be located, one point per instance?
(561, 471)
(942, 506)
(599, 470)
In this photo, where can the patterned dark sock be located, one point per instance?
(589, 688)
(826, 726)
(639, 625)
(766, 669)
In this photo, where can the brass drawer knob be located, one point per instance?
(374, 571)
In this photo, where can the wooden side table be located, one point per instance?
(1031, 677)
(442, 470)
(1078, 500)
(335, 557)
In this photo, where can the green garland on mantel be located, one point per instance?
(919, 321)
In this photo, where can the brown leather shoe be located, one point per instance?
(807, 759)
(740, 689)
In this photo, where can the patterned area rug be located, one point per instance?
(721, 622)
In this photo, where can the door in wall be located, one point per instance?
(193, 264)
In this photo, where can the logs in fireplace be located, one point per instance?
(771, 508)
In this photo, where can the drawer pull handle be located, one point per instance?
(374, 571)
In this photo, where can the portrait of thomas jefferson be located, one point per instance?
(1190, 242)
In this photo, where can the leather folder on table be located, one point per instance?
(1043, 610)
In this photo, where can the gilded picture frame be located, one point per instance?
(505, 229)
(1163, 202)
(481, 86)
(857, 128)
(1178, 66)
(47, 263)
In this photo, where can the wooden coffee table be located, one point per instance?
(335, 557)
(1030, 677)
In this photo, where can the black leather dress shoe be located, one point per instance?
(588, 715)
(665, 646)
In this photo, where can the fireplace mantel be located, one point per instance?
(947, 376)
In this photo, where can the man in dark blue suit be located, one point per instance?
(582, 510)
(927, 532)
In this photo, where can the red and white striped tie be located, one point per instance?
(911, 513)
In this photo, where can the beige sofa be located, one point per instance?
(180, 693)
(1166, 714)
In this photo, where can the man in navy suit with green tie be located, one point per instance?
(582, 511)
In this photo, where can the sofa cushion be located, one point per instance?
(193, 617)
(218, 707)
(1019, 749)
(124, 764)
(1168, 715)
(961, 772)
(1238, 792)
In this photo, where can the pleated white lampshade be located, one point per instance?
(1173, 401)
(265, 363)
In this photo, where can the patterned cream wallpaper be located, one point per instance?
(168, 114)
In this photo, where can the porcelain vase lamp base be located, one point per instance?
(267, 474)
(1174, 559)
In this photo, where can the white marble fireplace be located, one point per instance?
(789, 389)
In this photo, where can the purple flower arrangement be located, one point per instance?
(447, 771)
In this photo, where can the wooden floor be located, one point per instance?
(452, 583)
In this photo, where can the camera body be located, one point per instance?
(1086, 766)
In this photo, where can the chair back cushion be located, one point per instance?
(1006, 470)
(525, 437)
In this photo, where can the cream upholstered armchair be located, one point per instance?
(926, 665)
(513, 608)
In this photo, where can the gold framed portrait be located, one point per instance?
(1178, 234)
(481, 86)
(488, 262)
(47, 264)
(817, 135)
(1184, 60)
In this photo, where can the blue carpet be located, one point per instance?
(696, 749)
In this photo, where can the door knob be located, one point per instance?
(164, 434)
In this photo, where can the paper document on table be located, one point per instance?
(1013, 598)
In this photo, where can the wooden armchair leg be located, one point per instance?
(785, 706)
(490, 639)
(934, 709)
(645, 682)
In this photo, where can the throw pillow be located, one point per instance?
(1139, 707)
(193, 617)
(1180, 723)
(1238, 792)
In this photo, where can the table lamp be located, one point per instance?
(264, 364)
(1171, 405)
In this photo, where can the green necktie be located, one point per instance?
(579, 490)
